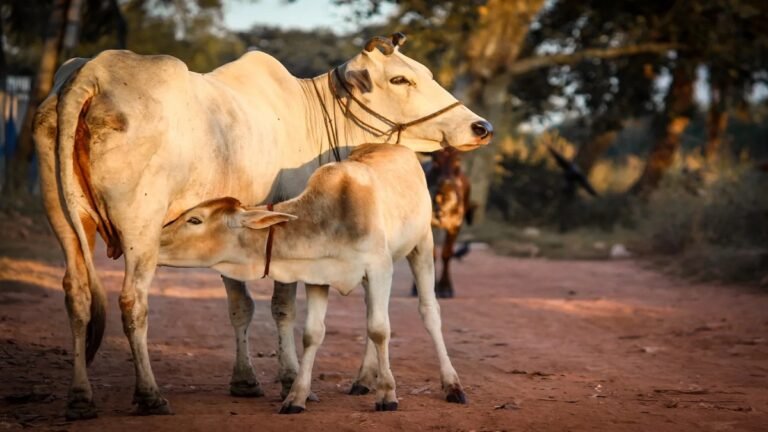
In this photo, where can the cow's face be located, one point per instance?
(402, 90)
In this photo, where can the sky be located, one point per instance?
(301, 14)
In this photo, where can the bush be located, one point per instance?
(718, 231)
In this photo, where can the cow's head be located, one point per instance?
(401, 90)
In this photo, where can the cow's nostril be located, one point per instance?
(482, 128)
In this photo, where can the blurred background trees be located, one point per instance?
(643, 96)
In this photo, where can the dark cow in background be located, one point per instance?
(451, 207)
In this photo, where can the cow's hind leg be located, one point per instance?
(140, 265)
(377, 290)
(366, 376)
(423, 267)
(83, 310)
(314, 333)
(243, 382)
(80, 404)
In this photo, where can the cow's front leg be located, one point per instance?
(284, 314)
(243, 382)
(366, 376)
(140, 265)
(314, 333)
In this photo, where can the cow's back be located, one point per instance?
(186, 137)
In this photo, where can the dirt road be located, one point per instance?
(539, 345)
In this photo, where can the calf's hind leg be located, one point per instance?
(423, 268)
(243, 382)
(377, 291)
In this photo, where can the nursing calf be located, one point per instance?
(354, 219)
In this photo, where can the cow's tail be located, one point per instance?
(73, 103)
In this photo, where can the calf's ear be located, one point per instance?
(260, 219)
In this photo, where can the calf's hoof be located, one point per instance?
(386, 406)
(312, 397)
(245, 389)
(156, 406)
(455, 394)
(359, 390)
(291, 409)
(444, 294)
(80, 410)
(414, 291)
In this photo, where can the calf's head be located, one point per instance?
(217, 232)
(401, 91)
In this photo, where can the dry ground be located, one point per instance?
(539, 345)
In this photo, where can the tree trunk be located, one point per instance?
(121, 25)
(18, 168)
(717, 122)
(481, 163)
(668, 129)
(3, 65)
(493, 47)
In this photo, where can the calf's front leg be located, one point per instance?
(314, 333)
(243, 382)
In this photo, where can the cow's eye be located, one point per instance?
(399, 80)
(194, 221)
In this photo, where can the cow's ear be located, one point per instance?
(260, 219)
(359, 79)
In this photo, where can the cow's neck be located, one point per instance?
(330, 123)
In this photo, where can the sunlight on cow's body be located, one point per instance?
(126, 143)
(349, 226)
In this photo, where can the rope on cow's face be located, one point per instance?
(395, 127)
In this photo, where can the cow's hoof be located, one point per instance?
(359, 390)
(386, 406)
(245, 389)
(456, 395)
(291, 409)
(80, 410)
(157, 406)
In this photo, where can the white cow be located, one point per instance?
(127, 142)
(354, 219)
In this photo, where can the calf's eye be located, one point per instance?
(194, 221)
(399, 80)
